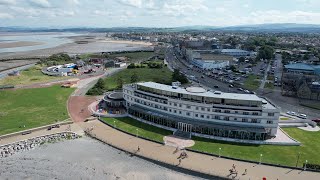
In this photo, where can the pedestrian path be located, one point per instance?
(195, 161)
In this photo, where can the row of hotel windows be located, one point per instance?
(198, 108)
(226, 118)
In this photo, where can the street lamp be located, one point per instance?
(305, 165)
(137, 132)
(260, 158)
(219, 151)
(114, 123)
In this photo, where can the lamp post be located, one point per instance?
(114, 123)
(305, 165)
(137, 133)
(219, 152)
(260, 158)
(298, 159)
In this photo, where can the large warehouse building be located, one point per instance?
(196, 111)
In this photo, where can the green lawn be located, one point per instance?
(284, 155)
(311, 105)
(29, 76)
(269, 85)
(134, 56)
(162, 75)
(32, 108)
(252, 82)
(144, 130)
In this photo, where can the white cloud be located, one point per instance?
(100, 13)
(133, 3)
(40, 3)
(5, 16)
(73, 2)
(8, 2)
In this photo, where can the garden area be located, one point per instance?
(252, 82)
(284, 155)
(29, 108)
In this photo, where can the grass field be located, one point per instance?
(252, 82)
(311, 105)
(32, 108)
(144, 130)
(269, 85)
(284, 155)
(29, 76)
(162, 75)
(134, 56)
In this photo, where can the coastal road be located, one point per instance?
(4, 73)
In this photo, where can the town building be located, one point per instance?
(196, 111)
(235, 52)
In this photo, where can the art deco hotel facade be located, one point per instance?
(211, 114)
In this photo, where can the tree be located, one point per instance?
(177, 76)
(242, 59)
(265, 52)
(306, 56)
(119, 83)
(134, 78)
(131, 66)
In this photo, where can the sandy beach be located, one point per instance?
(19, 44)
(82, 158)
(90, 43)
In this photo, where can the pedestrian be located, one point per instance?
(245, 172)
(138, 148)
(233, 166)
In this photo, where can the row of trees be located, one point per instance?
(149, 65)
(56, 59)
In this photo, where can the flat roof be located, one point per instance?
(215, 57)
(234, 50)
(235, 96)
(302, 66)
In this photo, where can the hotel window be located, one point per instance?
(188, 107)
(208, 116)
(170, 110)
(196, 115)
(188, 114)
(236, 112)
(226, 118)
(180, 105)
(166, 109)
(197, 108)
(255, 113)
(235, 119)
(218, 110)
(179, 112)
(217, 117)
(244, 120)
(175, 104)
(270, 114)
(156, 106)
(227, 111)
(254, 120)
(245, 113)
(208, 109)
(202, 109)
(202, 116)
(269, 122)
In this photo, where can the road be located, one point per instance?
(265, 76)
(176, 61)
(285, 103)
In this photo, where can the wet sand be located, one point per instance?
(19, 44)
(82, 158)
(90, 43)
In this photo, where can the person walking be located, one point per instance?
(138, 148)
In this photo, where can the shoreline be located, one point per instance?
(19, 44)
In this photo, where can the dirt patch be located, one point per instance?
(78, 107)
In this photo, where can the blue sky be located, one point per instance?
(155, 13)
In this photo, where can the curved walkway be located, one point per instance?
(195, 161)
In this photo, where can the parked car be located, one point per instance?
(230, 85)
(240, 89)
(302, 116)
(316, 120)
(292, 113)
(215, 86)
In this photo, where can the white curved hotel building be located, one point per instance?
(203, 113)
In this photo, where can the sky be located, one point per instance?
(155, 13)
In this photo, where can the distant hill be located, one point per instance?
(285, 27)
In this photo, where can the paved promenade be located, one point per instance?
(195, 161)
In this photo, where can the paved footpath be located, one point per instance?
(195, 161)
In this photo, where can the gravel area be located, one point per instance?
(82, 158)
